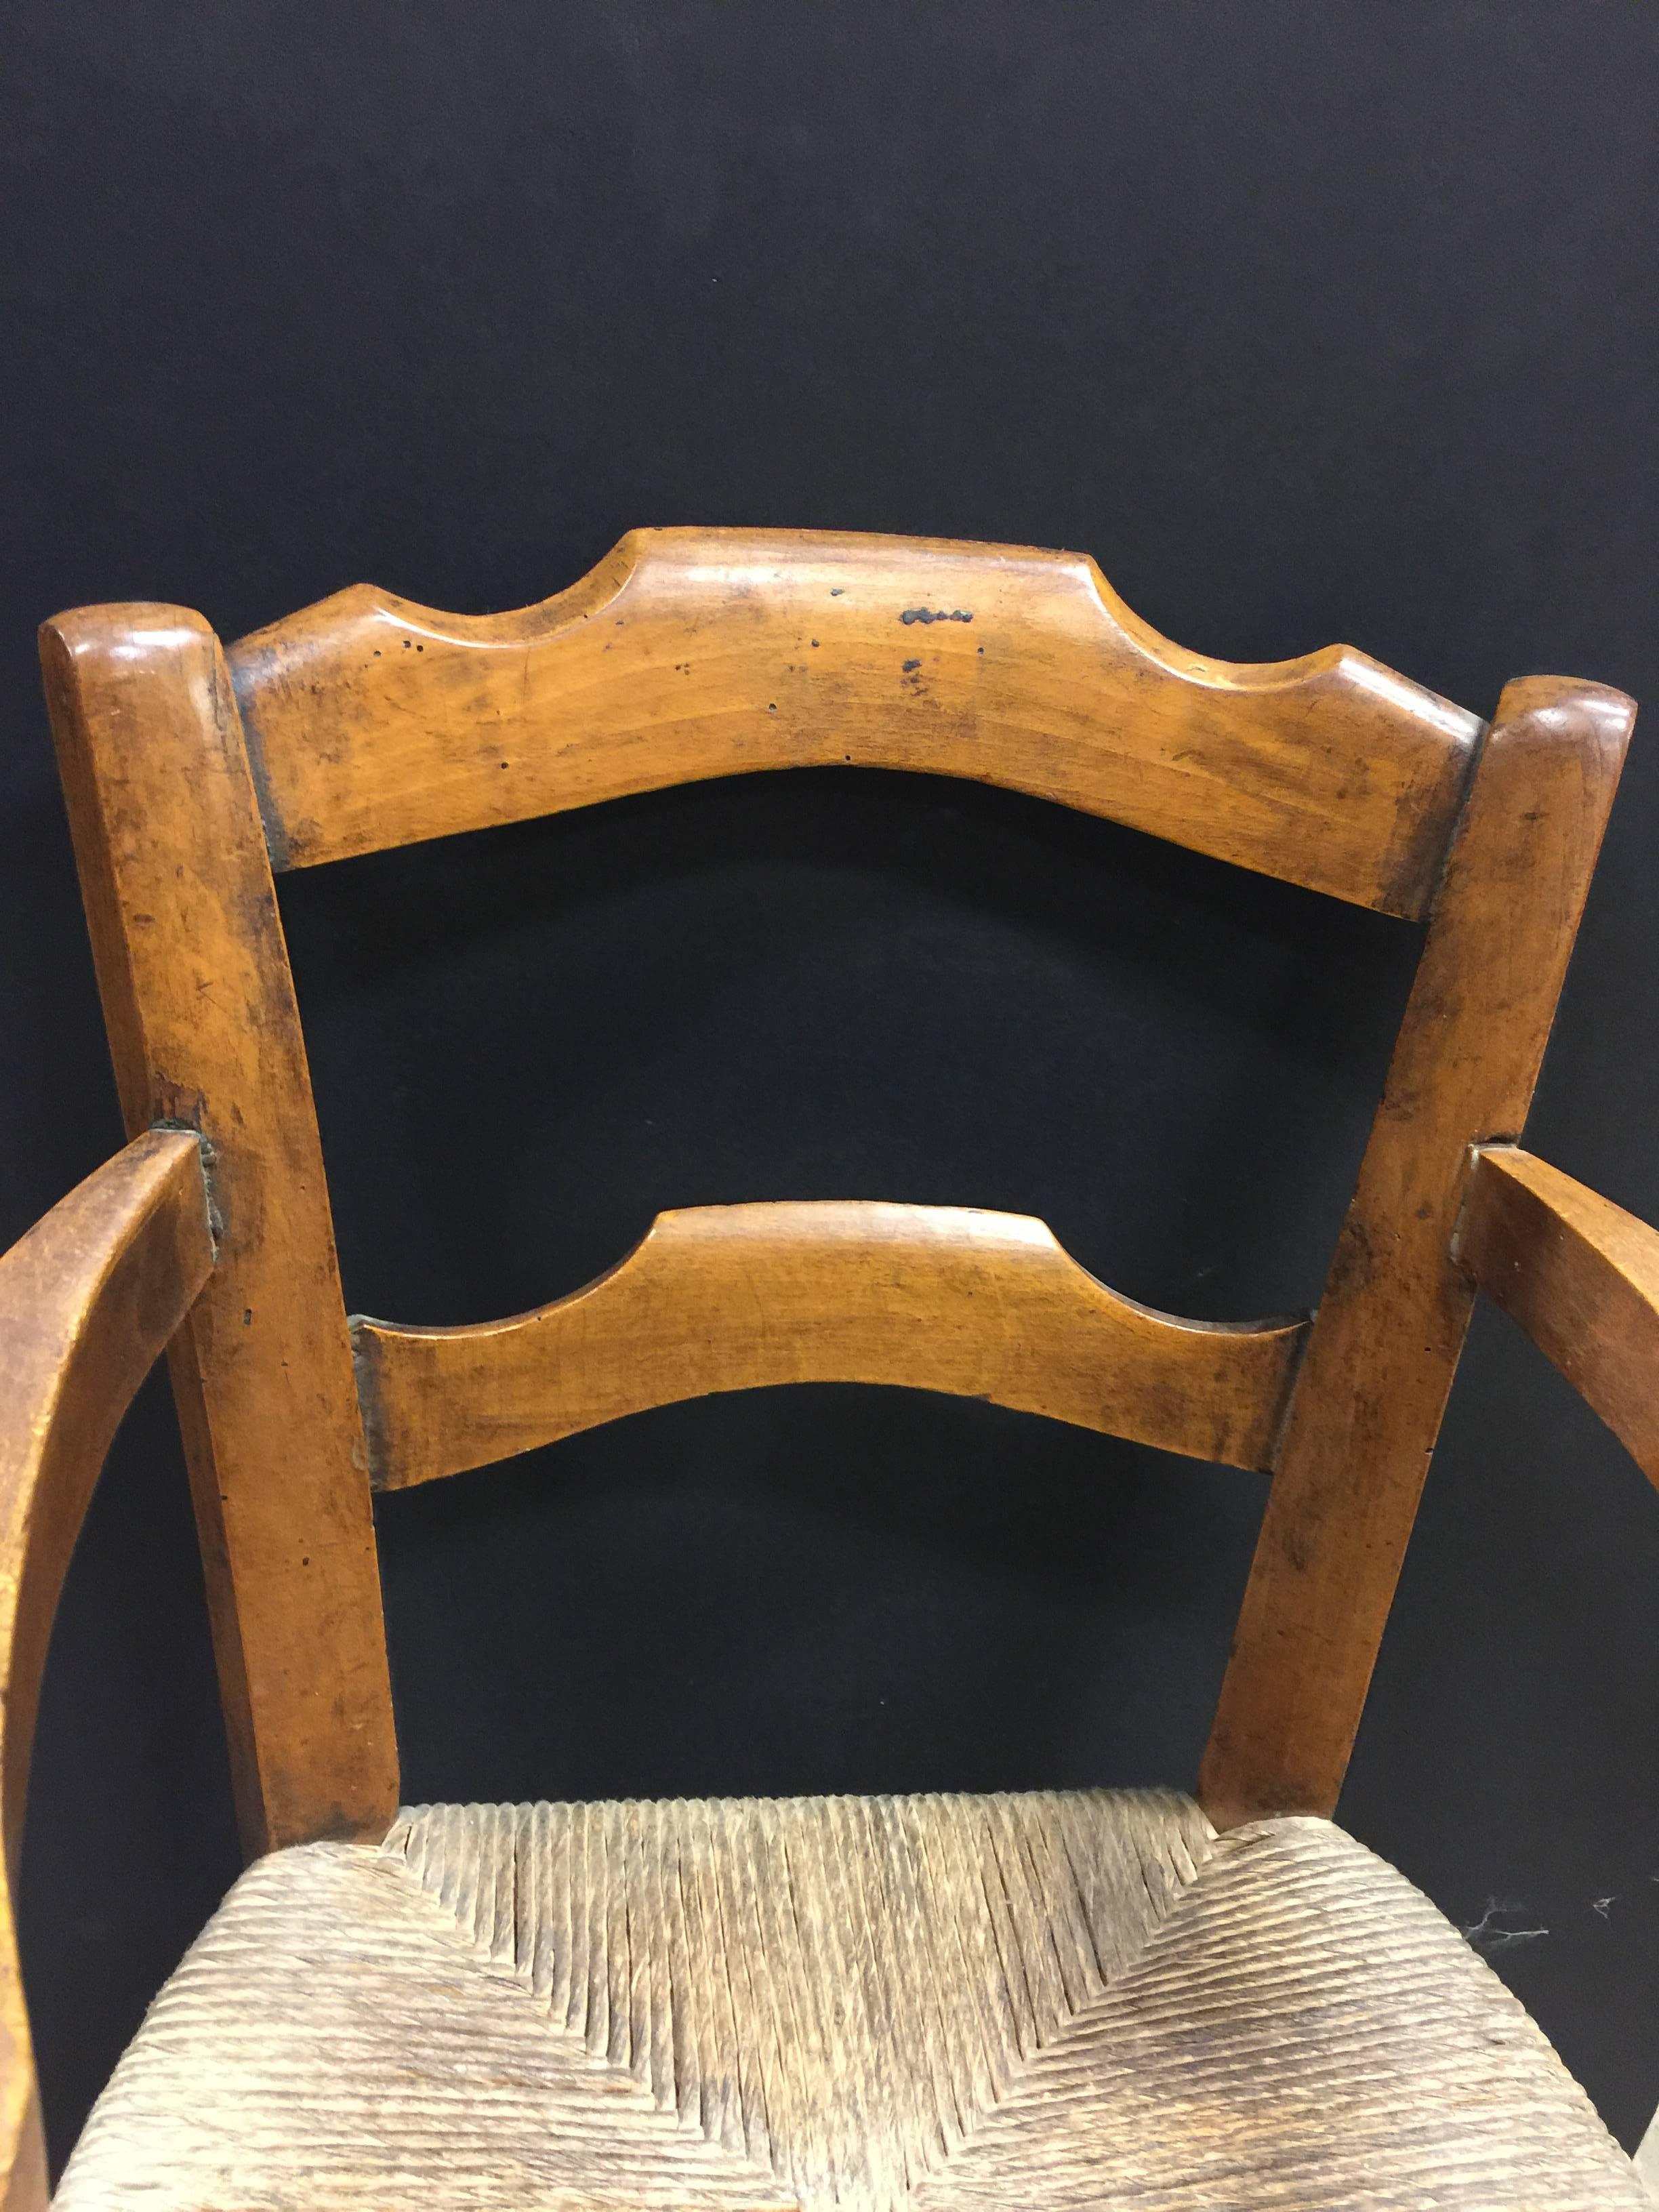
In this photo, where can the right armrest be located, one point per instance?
(1581, 1278)
(87, 1299)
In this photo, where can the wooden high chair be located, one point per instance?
(1066, 1999)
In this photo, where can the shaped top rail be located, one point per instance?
(691, 654)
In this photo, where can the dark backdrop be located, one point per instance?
(1310, 322)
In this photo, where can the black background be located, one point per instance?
(1310, 322)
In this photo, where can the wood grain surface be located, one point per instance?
(199, 1005)
(1367, 1402)
(87, 1299)
(1581, 1276)
(734, 1298)
(1289, 2014)
(163, 800)
(689, 653)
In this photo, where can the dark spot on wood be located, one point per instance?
(815, 641)
(909, 664)
(837, 592)
(180, 1107)
(935, 614)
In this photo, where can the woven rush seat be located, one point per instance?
(1063, 1999)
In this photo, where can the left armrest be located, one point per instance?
(87, 1299)
(1581, 1278)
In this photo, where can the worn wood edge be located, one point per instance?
(204, 1033)
(87, 1299)
(1368, 1399)
(318, 710)
(1581, 1276)
(968, 1303)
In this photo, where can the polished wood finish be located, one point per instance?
(1368, 1400)
(734, 1297)
(701, 652)
(692, 653)
(370, 723)
(1581, 1276)
(87, 1301)
(199, 1004)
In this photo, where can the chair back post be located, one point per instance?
(199, 1004)
(1367, 1403)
